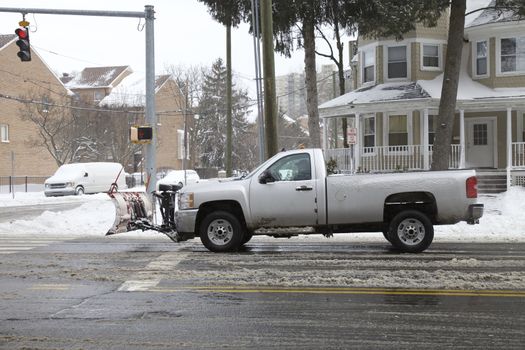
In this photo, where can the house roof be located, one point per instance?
(379, 93)
(131, 91)
(96, 77)
(6, 39)
(491, 15)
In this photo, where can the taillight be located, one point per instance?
(472, 187)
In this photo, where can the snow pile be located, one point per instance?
(503, 220)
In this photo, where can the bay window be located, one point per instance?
(397, 62)
(512, 54)
(482, 58)
(369, 62)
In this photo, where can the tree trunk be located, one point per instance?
(447, 104)
(311, 82)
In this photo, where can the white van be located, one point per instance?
(80, 178)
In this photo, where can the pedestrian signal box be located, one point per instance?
(141, 134)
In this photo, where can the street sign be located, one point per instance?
(351, 136)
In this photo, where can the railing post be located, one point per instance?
(509, 144)
(26, 184)
(462, 139)
(426, 162)
(357, 146)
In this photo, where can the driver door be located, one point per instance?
(285, 193)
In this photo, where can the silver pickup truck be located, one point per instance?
(292, 194)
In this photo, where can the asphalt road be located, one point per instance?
(124, 293)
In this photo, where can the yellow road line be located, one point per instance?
(357, 291)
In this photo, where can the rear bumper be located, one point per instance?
(475, 211)
(185, 220)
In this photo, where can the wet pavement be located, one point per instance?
(125, 293)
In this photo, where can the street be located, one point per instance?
(148, 293)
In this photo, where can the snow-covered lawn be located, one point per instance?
(503, 221)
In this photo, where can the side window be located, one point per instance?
(369, 62)
(295, 167)
(4, 133)
(481, 58)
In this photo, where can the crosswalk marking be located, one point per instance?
(12, 244)
(143, 280)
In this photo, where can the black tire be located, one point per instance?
(246, 238)
(411, 231)
(79, 191)
(221, 231)
(386, 234)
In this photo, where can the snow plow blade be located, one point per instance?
(131, 208)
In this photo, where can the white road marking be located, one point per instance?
(14, 244)
(143, 282)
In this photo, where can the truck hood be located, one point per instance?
(223, 189)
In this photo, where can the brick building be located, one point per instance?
(22, 81)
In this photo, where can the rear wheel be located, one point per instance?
(221, 231)
(411, 231)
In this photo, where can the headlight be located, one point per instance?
(186, 201)
(70, 184)
(47, 185)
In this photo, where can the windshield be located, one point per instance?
(68, 169)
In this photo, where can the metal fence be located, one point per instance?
(8, 184)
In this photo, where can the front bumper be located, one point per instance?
(185, 220)
(475, 211)
(59, 192)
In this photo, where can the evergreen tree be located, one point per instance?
(212, 127)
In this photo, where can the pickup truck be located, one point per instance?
(291, 193)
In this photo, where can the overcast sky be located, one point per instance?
(184, 34)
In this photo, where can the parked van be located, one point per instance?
(80, 178)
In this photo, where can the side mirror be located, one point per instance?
(266, 177)
(85, 174)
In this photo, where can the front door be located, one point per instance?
(480, 143)
(289, 198)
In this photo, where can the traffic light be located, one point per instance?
(23, 44)
(141, 134)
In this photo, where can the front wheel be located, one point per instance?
(411, 231)
(79, 191)
(221, 231)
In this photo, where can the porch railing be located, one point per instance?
(388, 158)
(518, 154)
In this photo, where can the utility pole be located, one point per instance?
(270, 98)
(257, 58)
(228, 100)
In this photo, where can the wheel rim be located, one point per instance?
(220, 232)
(411, 231)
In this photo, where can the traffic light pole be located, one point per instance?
(151, 117)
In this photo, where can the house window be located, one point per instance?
(512, 54)
(431, 56)
(99, 95)
(398, 130)
(481, 58)
(180, 144)
(369, 62)
(432, 123)
(4, 133)
(369, 133)
(397, 62)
